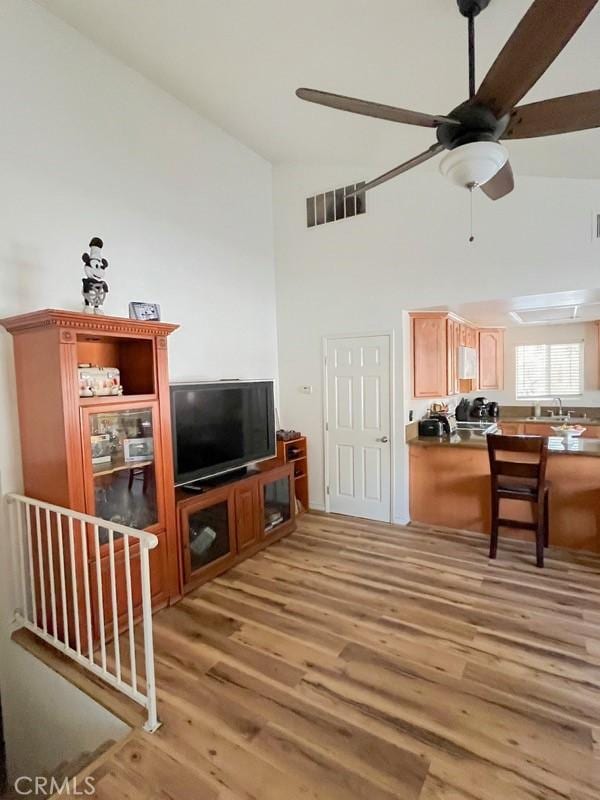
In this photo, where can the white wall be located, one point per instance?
(552, 334)
(410, 250)
(91, 148)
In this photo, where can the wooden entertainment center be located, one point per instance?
(200, 535)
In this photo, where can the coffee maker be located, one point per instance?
(479, 408)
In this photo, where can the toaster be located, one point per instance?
(431, 427)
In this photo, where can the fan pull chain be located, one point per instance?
(471, 236)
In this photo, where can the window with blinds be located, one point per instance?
(549, 370)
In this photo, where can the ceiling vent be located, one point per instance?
(545, 316)
(334, 205)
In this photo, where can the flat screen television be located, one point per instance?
(221, 426)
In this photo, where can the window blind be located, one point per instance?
(547, 370)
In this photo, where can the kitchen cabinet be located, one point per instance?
(545, 429)
(436, 339)
(511, 428)
(491, 358)
(430, 355)
(453, 343)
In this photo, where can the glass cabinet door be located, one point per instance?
(123, 467)
(277, 504)
(208, 534)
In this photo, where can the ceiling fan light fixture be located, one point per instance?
(474, 164)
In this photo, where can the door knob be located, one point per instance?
(382, 439)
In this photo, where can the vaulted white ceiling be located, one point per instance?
(238, 62)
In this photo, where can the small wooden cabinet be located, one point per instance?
(233, 519)
(295, 451)
(491, 358)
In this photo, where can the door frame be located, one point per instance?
(389, 333)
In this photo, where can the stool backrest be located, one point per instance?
(531, 464)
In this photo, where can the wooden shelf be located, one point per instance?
(116, 399)
(110, 467)
(301, 480)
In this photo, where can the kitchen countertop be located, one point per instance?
(549, 421)
(477, 440)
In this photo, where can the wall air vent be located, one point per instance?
(334, 205)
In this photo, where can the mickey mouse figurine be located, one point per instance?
(95, 287)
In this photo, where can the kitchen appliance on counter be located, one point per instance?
(479, 408)
(448, 422)
(492, 410)
(431, 427)
(463, 410)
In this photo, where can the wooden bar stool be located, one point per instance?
(523, 478)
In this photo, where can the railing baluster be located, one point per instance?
(130, 614)
(152, 722)
(63, 585)
(30, 558)
(51, 571)
(86, 590)
(100, 591)
(113, 592)
(19, 513)
(74, 587)
(42, 571)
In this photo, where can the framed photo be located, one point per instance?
(144, 311)
(141, 449)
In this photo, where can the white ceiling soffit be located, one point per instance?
(239, 62)
(552, 308)
(545, 316)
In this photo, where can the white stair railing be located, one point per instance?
(75, 581)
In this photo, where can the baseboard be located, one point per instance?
(317, 506)
(401, 520)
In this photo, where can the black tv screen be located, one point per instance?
(220, 426)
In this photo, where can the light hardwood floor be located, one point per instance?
(359, 660)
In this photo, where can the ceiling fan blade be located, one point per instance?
(413, 162)
(501, 184)
(537, 40)
(370, 109)
(573, 112)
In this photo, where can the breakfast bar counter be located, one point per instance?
(450, 487)
(475, 439)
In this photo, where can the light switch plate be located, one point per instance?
(306, 389)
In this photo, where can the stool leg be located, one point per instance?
(547, 519)
(494, 534)
(540, 536)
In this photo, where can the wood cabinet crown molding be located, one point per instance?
(97, 323)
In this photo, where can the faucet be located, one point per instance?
(557, 403)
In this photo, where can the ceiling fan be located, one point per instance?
(472, 131)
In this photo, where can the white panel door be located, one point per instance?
(358, 426)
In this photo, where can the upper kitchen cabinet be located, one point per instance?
(436, 342)
(451, 356)
(430, 334)
(491, 358)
